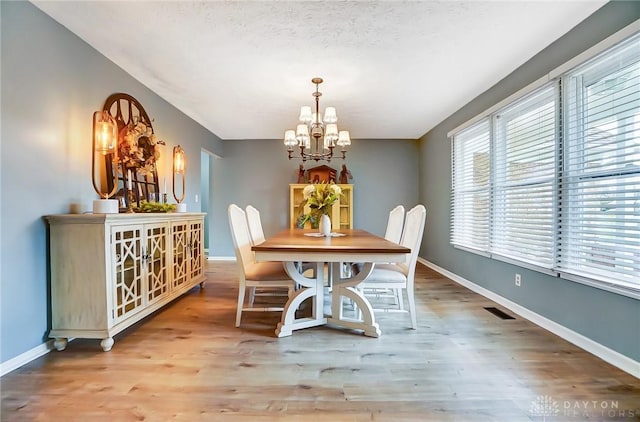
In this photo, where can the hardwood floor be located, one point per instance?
(188, 362)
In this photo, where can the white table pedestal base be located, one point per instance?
(314, 288)
(346, 287)
(308, 288)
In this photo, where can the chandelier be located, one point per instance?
(324, 132)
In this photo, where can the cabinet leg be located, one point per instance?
(60, 343)
(107, 343)
(202, 285)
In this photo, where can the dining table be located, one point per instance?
(334, 252)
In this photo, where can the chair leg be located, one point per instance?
(412, 308)
(241, 292)
(252, 295)
(399, 298)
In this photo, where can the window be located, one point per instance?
(550, 179)
(524, 179)
(600, 234)
(470, 176)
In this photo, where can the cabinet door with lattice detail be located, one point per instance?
(180, 237)
(155, 259)
(128, 271)
(195, 248)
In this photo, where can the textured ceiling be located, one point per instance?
(392, 69)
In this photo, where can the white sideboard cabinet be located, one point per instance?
(109, 271)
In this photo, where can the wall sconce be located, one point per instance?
(179, 168)
(104, 148)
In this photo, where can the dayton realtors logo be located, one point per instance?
(546, 407)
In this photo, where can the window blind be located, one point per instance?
(471, 187)
(523, 210)
(600, 207)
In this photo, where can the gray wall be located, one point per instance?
(610, 319)
(259, 173)
(52, 82)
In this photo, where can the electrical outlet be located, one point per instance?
(197, 198)
(518, 280)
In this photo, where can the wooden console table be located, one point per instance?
(109, 271)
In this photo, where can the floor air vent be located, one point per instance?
(500, 314)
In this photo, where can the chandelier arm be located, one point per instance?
(317, 157)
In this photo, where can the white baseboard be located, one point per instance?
(221, 258)
(26, 357)
(608, 355)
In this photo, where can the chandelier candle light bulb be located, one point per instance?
(305, 114)
(343, 138)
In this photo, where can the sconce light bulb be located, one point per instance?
(179, 165)
(106, 142)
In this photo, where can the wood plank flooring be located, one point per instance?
(188, 362)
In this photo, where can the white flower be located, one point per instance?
(320, 197)
(308, 191)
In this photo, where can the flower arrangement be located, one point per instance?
(320, 197)
(138, 147)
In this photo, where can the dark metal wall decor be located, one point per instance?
(130, 117)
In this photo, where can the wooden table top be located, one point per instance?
(353, 242)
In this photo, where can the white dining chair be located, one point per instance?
(401, 275)
(255, 224)
(395, 222)
(393, 233)
(269, 274)
(257, 236)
